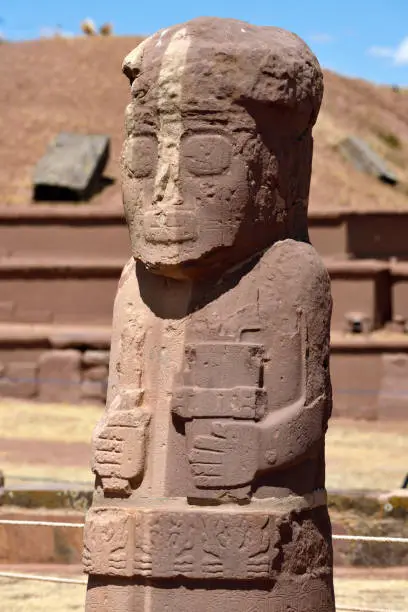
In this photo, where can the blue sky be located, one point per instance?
(361, 38)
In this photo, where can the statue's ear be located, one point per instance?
(291, 84)
(276, 82)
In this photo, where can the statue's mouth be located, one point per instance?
(168, 226)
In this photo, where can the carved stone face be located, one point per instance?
(185, 190)
(200, 179)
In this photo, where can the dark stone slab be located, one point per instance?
(71, 168)
(364, 159)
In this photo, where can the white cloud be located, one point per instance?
(381, 52)
(321, 38)
(399, 55)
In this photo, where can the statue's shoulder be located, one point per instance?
(295, 258)
(128, 292)
(296, 268)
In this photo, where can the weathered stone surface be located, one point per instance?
(212, 444)
(59, 376)
(198, 543)
(70, 167)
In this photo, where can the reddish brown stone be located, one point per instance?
(93, 390)
(392, 397)
(96, 358)
(210, 456)
(96, 373)
(6, 311)
(59, 376)
(19, 380)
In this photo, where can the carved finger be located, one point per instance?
(204, 482)
(104, 444)
(210, 443)
(221, 429)
(204, 456)
(205, 469)
(107, 457)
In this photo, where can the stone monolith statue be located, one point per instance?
(209, 459)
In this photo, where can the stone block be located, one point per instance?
(6, 311)
(19, 380)
(95, 358)
(59, 376)
(94, 390)
(393, 396)
(163, 543)
(364, 159)
(99, 373)
(71, 167)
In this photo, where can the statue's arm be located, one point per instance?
(292, 432)
(236, 450)
(119, 438)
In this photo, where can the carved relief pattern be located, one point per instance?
(106, 543)
(180, 544)
(237, 546)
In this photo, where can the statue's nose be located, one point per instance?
(167, 190)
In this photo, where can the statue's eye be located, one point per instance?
(206, 154)
(140, 156)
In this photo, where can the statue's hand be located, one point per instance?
(118, 448)
(227, 457)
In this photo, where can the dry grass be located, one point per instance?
(18, 596)
(368, 593)
(31, 472)
(360, 455)
(48, 441)
(53, 422)
(366, 455)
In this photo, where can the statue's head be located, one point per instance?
(217, 160)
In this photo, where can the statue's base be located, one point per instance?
(272, 555)
(295, 594)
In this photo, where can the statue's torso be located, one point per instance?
(237, 349)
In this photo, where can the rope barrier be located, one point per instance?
(41, 578)
(346, 609)
(384, 539)
(11, 476)
(347, 538)
(40, 523)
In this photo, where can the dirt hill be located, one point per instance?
(75, 84)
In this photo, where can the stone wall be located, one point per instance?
(62, 375)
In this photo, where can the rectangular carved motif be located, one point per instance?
(238, 403)
(195, 545)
